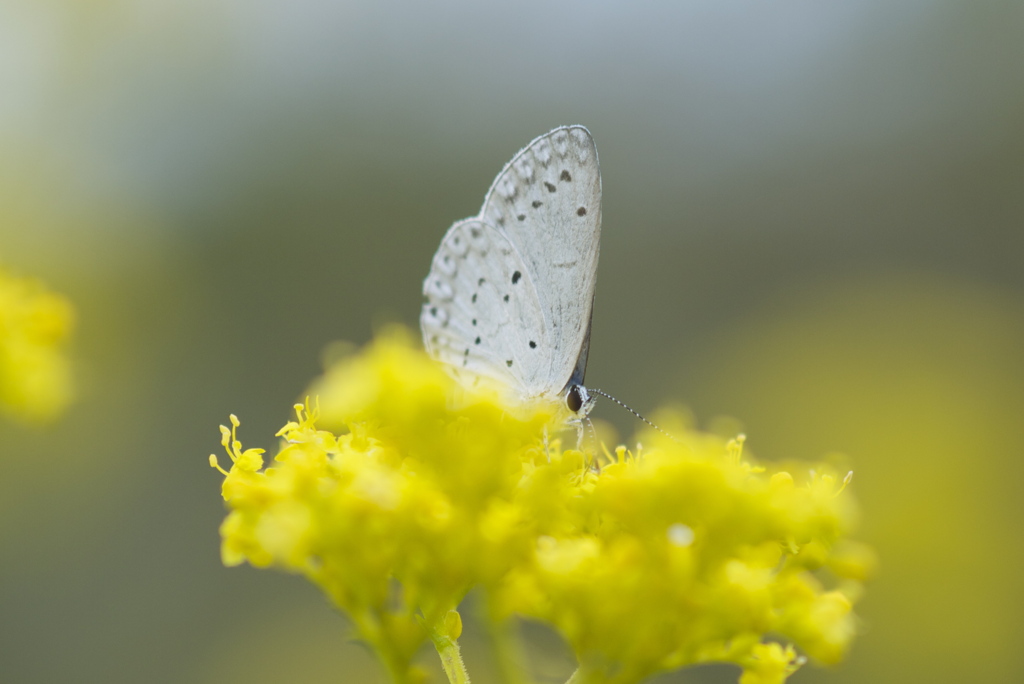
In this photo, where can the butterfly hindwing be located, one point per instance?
(482, 316)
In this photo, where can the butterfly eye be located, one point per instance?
(574, 400)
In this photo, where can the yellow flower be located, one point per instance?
(770, 663)
(35, 374)
(685, 555)
(645, 562)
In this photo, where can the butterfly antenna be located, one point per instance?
(635, 413)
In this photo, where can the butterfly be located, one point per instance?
(510, 293)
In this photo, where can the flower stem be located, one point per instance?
(368, 627)
(399, 674)
(451, 659)
(590, 675)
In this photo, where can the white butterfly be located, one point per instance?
(510, 292)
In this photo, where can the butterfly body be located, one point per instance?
(510, 292)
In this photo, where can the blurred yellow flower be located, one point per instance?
(645, 562)
(35, 373)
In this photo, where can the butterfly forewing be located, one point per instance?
(547, 202)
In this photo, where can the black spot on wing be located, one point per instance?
(516, 276)
(565, 176)
(582, 211)
(536, 204)
(505, 298)
(508, 363)
(477, 340)
(549, 186)
(533, 345)
(521, 217)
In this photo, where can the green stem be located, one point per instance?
(369, 629)
(451, 658)
(577, 677)
(398, 672)
(594, 675)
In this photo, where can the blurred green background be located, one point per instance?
(812, 223)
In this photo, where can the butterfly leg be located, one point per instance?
(581, 436)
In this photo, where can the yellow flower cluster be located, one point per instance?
(35, 374)
(644, 562)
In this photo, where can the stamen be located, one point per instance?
(734, 447)
(846, 480)
(215, 464)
